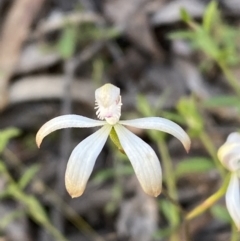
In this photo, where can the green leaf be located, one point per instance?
(185, 15)
(103, 175)
(6, 135)
(104, 34)
(147, 109)
(117, 194)
(193, 165)
(206, 43)
(90, 32)
(173, 117)
(167, 209)
(188, 109)
(28, 176)
(98, 70)
(143, 106)
(210, 16)
(36, 210)
(221, 213)
(182, 35)
(67, 42)
(222, 100)
(108, 173)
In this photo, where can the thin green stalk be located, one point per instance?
(210, 201)
(51, 229)
(168, 169)
(230, 77)
(170, 183)
(206, 141)
(173, 201)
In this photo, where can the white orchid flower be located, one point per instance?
(229, 155)
(144, 160)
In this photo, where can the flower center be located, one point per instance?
(108, 103)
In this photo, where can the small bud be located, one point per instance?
(229, 152)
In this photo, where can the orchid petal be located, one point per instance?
(144, 160)
(161, 124)
(233, 199)
(65, 121)
(82, 160)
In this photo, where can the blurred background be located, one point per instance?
(174, 59)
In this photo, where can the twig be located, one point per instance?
(65, 143)
(69, 69)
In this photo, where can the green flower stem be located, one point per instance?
(230, 77)
(206, 141)
(170, 183)
(210, 201)
(173, 201)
